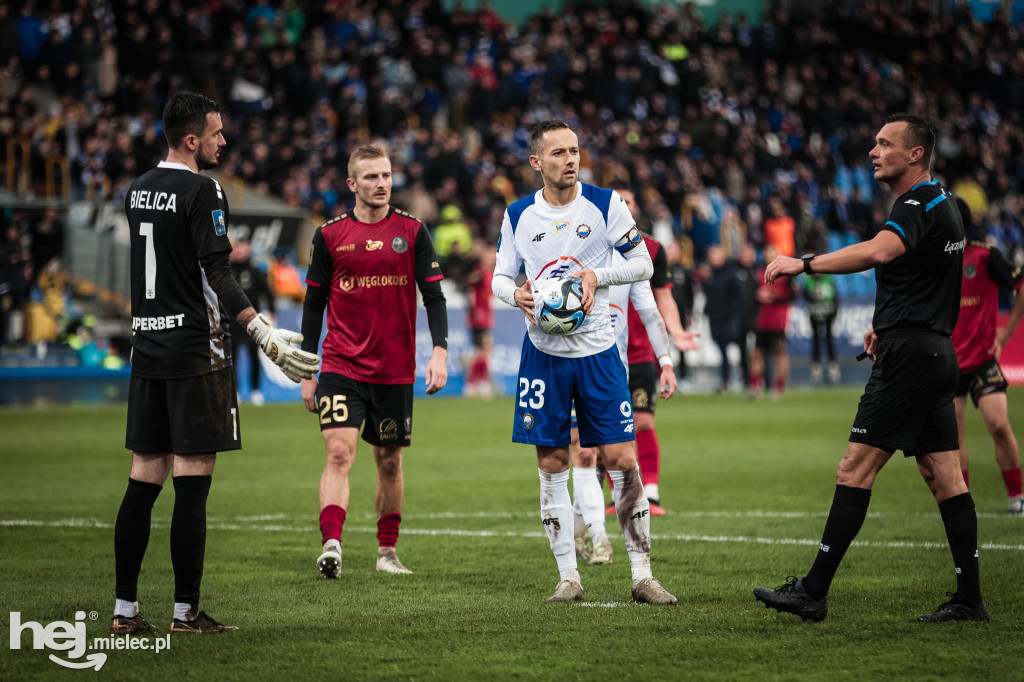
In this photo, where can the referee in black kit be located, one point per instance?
(182, 406)
(908, 402)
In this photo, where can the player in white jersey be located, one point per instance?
(591, 538)
(572, 229)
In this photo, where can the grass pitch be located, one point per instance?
(748, 486)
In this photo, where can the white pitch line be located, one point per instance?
(457, 532)
(712, 514)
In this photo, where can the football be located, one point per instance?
(560, 305)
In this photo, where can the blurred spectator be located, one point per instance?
(771, 350)
(779, 228)
(286, 282)
(822, 307)
(723, 306)
(81, 337)
(681, 275)
(16, 277)
(746, 273)
(256, 287)
(481, 320)
(453, 242)
(452, 230)
(47, 239)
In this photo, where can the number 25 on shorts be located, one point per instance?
(333, 409)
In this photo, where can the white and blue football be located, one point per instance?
(559, 305)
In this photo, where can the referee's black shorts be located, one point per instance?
(908, 402)
(186, 416)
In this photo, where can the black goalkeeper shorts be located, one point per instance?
(187, 416)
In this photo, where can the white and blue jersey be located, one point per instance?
(583, 367)
(553, 242)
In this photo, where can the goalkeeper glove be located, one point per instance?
(276, 343)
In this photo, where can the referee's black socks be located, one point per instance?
(961, 521)
(188, 536)
(131, 535)
(849, 508)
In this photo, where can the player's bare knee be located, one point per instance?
(340, 456)
(586, 458)
(552, 460)
(1001, 432)
(389, 461)
(854, 472)
(928, 474)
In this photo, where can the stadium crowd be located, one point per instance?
(729, 134)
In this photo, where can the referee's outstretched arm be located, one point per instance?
(886, 246)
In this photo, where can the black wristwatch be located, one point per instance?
(807, 258)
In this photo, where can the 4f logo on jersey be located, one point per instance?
(561, 226)
(220, 226)
(912, 202)
(540, 236)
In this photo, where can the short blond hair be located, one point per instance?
(364, 153)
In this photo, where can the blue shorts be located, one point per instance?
(548, 387)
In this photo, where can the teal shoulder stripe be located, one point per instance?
(897, 228)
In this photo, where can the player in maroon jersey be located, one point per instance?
(364, 268)
(776, 299)
(978, 344)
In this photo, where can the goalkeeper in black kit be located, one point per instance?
(182, 404)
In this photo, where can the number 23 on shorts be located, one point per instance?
(531, 393)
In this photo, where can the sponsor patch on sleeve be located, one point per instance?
(220, 226)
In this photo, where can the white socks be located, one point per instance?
(128, 609)
(181, 611)
(634, 515)
(588, 501)
(652, 491)
(556, 514)
(334, 544)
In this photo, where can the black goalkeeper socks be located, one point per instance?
(131, 536)
(188, 536)
(961, 521)
(849, 507)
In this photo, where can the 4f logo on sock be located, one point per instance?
(640, 514)
(553, 522)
